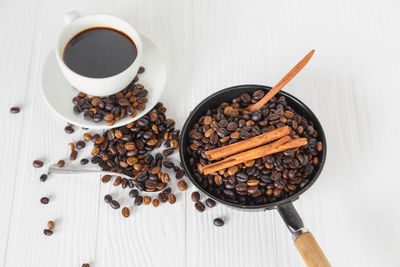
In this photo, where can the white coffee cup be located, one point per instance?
(75, 23)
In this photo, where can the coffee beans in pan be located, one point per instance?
(125, 103)
(263, 180)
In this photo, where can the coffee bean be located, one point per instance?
(218, 222)
(156, 202)
(171, 199)
(168, 151)
(179, 175)
(61, 163)
(146, 200)
(195, 196)
(108, 199)
(43, 177)
(163, 197)
(114, 204)
(44, 200)
(125, 212)
(106, 178)
(167, 191)
(15, 110)
(319, 146)
(37, 163)
(68, 129)
(138, 201)
(80, 145)
(133, 193)
(84, 161)
(48, 232)
(199, 206)
(210, 203)
(86, 265)
(74, 155)
(50, 224)
(182, 185)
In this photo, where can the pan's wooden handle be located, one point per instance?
(310, 251)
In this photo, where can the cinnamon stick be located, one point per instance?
(280, 145)
(256, 141)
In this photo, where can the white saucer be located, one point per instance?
(58, 93)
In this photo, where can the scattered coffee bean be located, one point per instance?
(114, 204)
(106, 178)
(84, 161)
(199, 206)
(71, 146)
(37, 163)
(156, 202)
(163, 197)
(50, 224)
(61, 163)
(48, 232)
(218, 222)
(146, 200)
(179, 175)
(43, 177)
(108, 199)
(141, 70)
(182, 185)
(138, 201)
(171, 199)
(210, 203)
(15, 110)
(125, 212)
(80, 145)
(195, 196)
(44, 200)
(85, 265)
(68, 129)
(133, 193)
(74, 155)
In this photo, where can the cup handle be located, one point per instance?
(71, 16)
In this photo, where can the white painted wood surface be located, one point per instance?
(351, 84)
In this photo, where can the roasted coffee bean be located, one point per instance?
(61, 163)
(106, 178)
(37, 163)
(84, 161)
(107, 199)
(156, 202)
(43, 177)
(138, 201)
(179, 175)
(74, 155)
(51, 225)
(210, 203)
(68, 129)
(115, 204)
(182, 185)
(218, 222)
(199, 206)
(195, 196)
(15, 110)
(133, 193)
(80, 145)
(44, 200)
(168, 164)
(125, 212)
(163, 197)
(168, 152)
(48, 232)
(146, 200)
(86, 265)
(171, 199)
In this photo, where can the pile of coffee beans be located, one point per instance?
(264, 180)
(127, 149)
(125, 103)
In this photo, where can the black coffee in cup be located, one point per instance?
(99, 52)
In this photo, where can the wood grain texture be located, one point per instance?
(351, 85)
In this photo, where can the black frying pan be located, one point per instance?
(303, 239)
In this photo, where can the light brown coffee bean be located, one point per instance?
(125, 212)
(182, 185)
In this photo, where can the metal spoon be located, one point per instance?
(54, 169)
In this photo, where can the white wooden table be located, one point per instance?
(351, 84)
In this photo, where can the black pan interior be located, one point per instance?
(227, 95)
